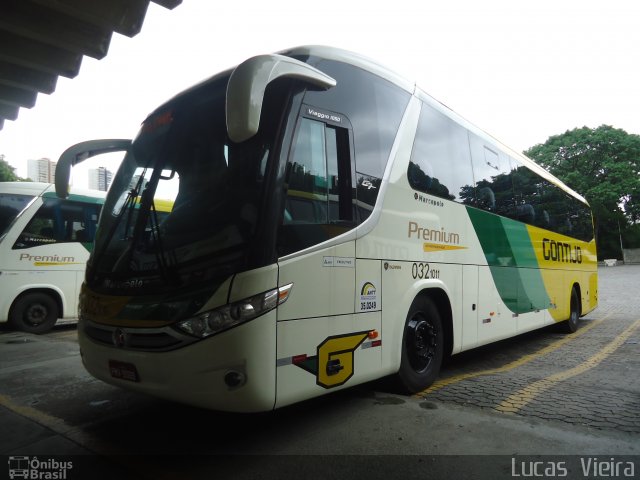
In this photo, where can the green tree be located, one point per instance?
(7, 172)
(602, 164)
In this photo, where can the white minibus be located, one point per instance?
(45, 242)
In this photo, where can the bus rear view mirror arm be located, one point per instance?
(80, 152)
(248, 82)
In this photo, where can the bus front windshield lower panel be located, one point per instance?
(183, 207)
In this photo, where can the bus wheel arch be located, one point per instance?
(35, 311)
(426, 340)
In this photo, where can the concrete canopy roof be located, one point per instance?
(41, 40)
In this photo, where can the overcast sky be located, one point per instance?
(520, 70)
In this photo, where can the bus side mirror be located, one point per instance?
(247, 84)
(80, 152)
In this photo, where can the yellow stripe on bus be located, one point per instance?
(55, 264)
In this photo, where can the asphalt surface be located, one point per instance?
(589, 378)
(543, 399)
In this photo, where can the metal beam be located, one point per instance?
(10, 112)
(48, 26)
(18, 96)
(39, 56)
(23, 77)
(43, 39)
(122, 16)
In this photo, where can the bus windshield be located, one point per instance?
(183, 207)
(10, 206)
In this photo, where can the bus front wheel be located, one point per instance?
(34, 313)
(422, 346)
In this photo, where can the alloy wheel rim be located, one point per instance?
(421, 342)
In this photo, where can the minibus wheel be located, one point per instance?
(34, 313)
(422, 346)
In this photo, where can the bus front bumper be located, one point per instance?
(231, 371)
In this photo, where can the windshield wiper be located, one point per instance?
(166, 268)
(147, 221)
(127, 206)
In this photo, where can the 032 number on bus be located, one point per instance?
(424, 271)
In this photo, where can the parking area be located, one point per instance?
(587, 379)
(543, 393)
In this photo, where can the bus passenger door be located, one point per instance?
(318, 331)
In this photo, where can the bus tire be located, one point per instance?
(422, 346)
(34, 313)
(571, 324)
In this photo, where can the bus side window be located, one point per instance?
(59, 221)
(319, 197)
(542, 204)
(530, 190)
(493, 179)
(307, 199)
(40, 230)
(440, 162)
(84, 231)
(374, 107)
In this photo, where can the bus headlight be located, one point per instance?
(227, 316)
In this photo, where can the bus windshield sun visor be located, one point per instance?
(247, 84)
(80, 152)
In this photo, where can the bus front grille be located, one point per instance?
(142, 339)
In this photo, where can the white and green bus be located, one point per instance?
(44, 245)
(331, 224)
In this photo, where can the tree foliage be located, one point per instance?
(7, 172)
(602, 164)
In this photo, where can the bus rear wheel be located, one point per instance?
(422, 346)
(34, 313)
(571, 324)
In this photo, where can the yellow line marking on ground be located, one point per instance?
(58, 426)
(54, 423)
(438, 384)
(518, 400)
(84, 440)
(136, 463)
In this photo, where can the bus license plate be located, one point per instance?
(124, 371)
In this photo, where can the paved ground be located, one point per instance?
(541, 394)
(589, 378)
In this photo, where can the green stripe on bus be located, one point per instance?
(512, 261)
(77, 198)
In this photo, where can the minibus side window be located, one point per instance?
(60, 221)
